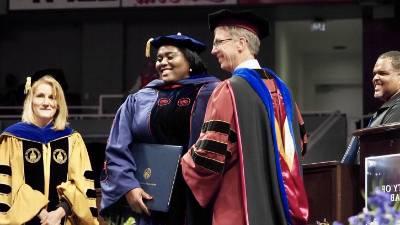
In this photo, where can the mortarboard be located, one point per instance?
(57, 74)
(178, 40)
(244, 19)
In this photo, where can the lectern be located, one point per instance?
(333, 191)
(375, 141)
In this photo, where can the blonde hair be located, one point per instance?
(60, 118)
(253, 42)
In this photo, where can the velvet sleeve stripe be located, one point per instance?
(67, 208)
(90, 193)
(303, 131)
(5, 189)
(89, 175)
(232, 136)
(303, 135)
(207, 163)
(4, 169)
(94, 211)
(4, 207)
(212, 146)
(221, 127)
(217, 126)
(304, 149)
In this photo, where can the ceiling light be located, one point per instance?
(318, 25)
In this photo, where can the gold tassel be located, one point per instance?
(27, 85)
(147, 51)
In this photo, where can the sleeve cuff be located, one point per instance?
(63, 204)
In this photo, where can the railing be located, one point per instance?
(79, 115)
(75, 111)
(323, 128)
(107, 96)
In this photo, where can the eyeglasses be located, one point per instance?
(218, 43)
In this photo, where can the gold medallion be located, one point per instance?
(32, 155)
(60, 156)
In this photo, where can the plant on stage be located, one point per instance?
(383, 212)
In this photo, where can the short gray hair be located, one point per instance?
(252, 39)
(394, 56)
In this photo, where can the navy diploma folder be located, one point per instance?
(156, 167)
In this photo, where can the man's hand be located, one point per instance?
(135, 200)
(54, 217)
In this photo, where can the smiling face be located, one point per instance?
(171, 64)
(44, 104)
(225, 49)
(386, 79)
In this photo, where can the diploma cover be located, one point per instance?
(156, 167)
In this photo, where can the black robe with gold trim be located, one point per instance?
(38, 168)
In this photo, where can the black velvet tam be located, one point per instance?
(244, 19)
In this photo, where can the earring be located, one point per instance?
(190, 70)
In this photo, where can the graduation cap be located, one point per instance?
(178, 40)
(244, 19)
(57, 74)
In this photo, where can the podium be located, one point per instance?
(376, 141)
(333, 191)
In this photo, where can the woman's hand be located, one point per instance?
(43, 214)
(54, 217)
(135, 200)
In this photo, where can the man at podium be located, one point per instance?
(386, 83)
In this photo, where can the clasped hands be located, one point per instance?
(51, 218)
(135, 198)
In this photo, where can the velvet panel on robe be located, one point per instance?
(258, 153)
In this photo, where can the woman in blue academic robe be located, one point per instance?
(169, 110)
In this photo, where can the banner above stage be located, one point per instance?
(151, 3)
(61, 4)
(276, 2)
(77, 4)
